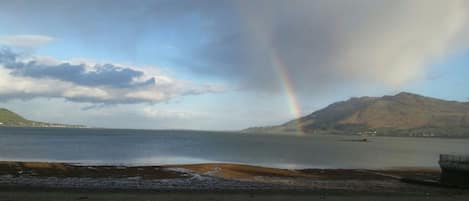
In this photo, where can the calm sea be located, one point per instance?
(144, 147)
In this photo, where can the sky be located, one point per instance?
(223, 65)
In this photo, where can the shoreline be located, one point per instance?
(216, 181)
(222, 176)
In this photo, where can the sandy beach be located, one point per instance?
(216, 181)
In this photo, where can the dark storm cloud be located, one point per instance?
(323, 44)
(327, 44)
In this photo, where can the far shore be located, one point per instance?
(356, 137)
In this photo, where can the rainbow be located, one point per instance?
(279, 66)
(287, 85)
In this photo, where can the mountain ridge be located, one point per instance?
(403, 114)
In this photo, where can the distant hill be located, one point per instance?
(9, 118)
(404, 114)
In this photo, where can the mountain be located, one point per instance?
(9, 118)
(404, 114)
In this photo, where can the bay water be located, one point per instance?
(161, 147)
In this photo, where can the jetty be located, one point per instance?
(454, 170)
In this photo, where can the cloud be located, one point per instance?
(98, 84)
(97, 75)
(167, 114)
(328, 44)
(25, 41)
(323, 44)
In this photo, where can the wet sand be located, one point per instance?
(219, 181)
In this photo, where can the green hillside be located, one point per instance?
(404, 114)
(9, 118)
